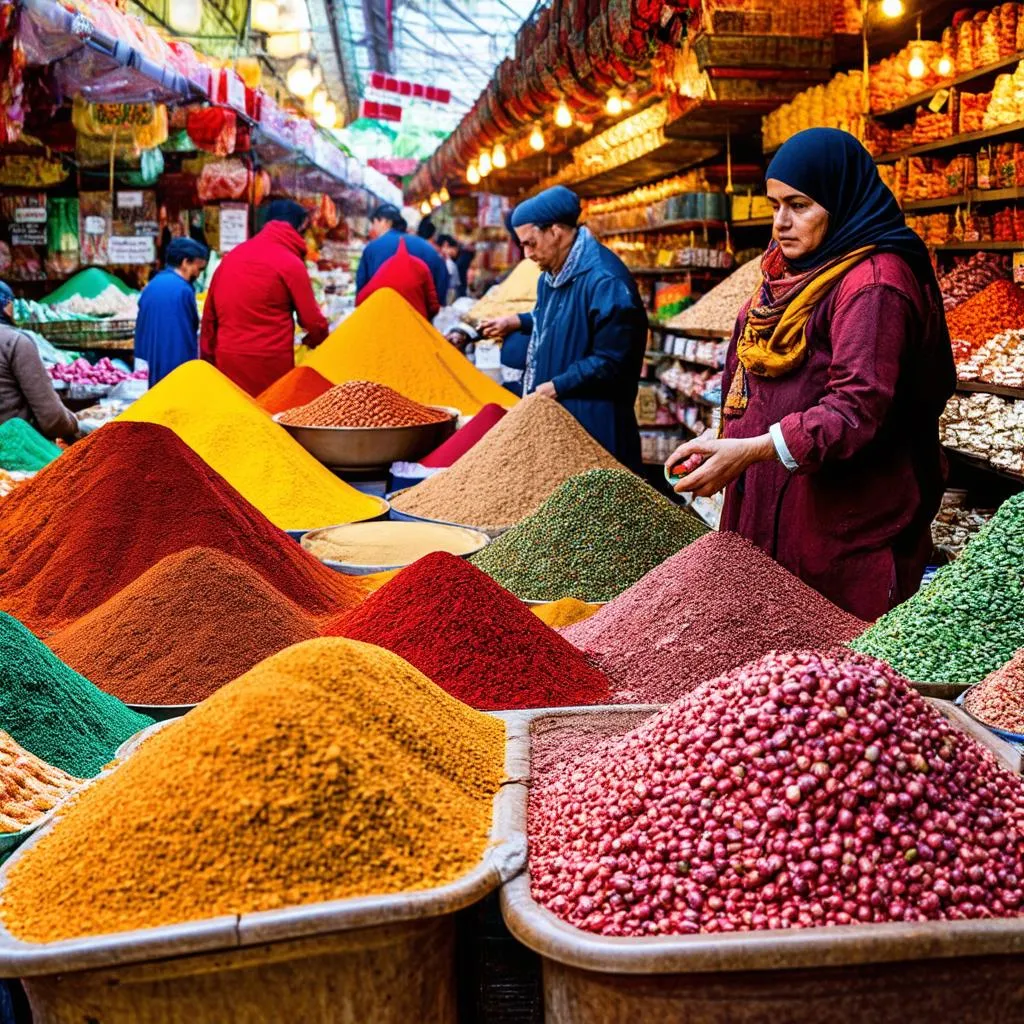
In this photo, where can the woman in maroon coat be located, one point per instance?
(837, 372)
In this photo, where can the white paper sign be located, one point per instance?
(124, 249)
(129, 200)
(234, 226)
(95, 225)
(30, 215)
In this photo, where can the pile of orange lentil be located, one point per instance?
(362, 403)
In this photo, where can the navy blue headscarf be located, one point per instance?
(838, 173)
(6, 297)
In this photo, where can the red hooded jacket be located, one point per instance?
(248, 328)
(410, 277)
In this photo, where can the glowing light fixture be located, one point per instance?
(483, 164)
(318, 102)
(435, 200)
(425, 207)
(893, 8)
(285, 45)
(945, 67)
(563, 115)
(472, 175)
(186, 16)
(266, 16)
(445, 194)
(300, 79)
(536, 138)
(499, 157)
(916, 67)
(328, 117)
(613, 105)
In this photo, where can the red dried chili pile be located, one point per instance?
(463, 439)
(193, 622)
(115, 504)
(719, 603)
(998, 700)
(997, 308)
(298, 386)
(472, 638)
(361, 403)
(798, 791)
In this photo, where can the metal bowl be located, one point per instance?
(408, 517)
(360, 448)
(383, 513)
(476, 538)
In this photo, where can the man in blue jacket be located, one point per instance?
(167, 328)
(384, 230)
(588, 330)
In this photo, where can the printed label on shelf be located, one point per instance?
(1018, 268)
(129, 249)
(129, 200)
(95, 225)
(938, 101)
(30, 215)
(28, 234)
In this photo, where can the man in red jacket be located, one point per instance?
(248, 328)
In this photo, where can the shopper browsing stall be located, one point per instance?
(260, 287)
(167, 328)
(387, 229)
(837, 372)
(26, 391)
(407, 275)
(589, 328)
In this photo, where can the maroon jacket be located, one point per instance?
(860, 419)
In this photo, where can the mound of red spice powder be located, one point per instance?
(472, 638)
(997, 308)
(719, 603)
(362, 403)
(463, 439)
(115, 504)
(164, 639)
(297, 387)
(800, 790)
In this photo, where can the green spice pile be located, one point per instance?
(969, 620)
(592, 539)
(55, 713)
(23, 448)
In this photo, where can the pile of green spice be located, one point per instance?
(596, 535)
(55, 713)
(969, 620)
(23, 448)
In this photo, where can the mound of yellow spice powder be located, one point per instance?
(565, 612)
(332, 769)
(385, 340)
(235, 437)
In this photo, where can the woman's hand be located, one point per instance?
(708, 466)
(499, 326)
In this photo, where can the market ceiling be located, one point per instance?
(450, 44)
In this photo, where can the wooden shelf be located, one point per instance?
(669, 225)
(689, 332)
(975, 195)
(983, 388)
(979, 247)
(984, 465)
(976, 74)
(951, 142)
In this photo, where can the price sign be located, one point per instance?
(95, 225)
(129, 200)
(234, 226)
(30, 215)
(131, 249)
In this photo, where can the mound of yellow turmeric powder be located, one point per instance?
(385, 340)
(332, 769)
(235, 437)
(566, 612)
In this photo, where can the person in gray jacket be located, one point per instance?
(26, 390)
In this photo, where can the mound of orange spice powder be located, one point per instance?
(333, 769)
(361, 403)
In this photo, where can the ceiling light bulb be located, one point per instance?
(285, 45)
(186, 16)
(318, 102)
(328, 117)
(484, 165)
(435, 200)
(945, 66)
(627, 104)
(613, 105)
(300, 79)
(536, 138)
(499, 159)
(445, 194)
(425, 207)
(563, 115)
(472, 175)
(893, 8)
(266, 17)
(916, 67)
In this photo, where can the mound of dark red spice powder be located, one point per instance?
(115, 504)
(472, 638)
(719, 603)
(164, 639)
(464, 438)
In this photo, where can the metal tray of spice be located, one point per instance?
(1004, 734)
(504, 857)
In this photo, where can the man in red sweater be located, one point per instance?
(257, 291)
(408, 276)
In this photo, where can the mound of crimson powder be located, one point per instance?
(464, 438)
(472, 638)
(716, 604)
(797, 791)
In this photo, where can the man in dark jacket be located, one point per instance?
(589, 328)
(384, 230)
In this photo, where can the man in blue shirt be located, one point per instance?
(385, 231)
(167, 328)
(589, 328)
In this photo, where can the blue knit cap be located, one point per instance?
(558, 205)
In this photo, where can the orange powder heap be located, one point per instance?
(361, 403)
(297, 387)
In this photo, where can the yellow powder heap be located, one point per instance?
(516, 294)
(235, 437)
(566, 612)
(385, 340)
(333, 769)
